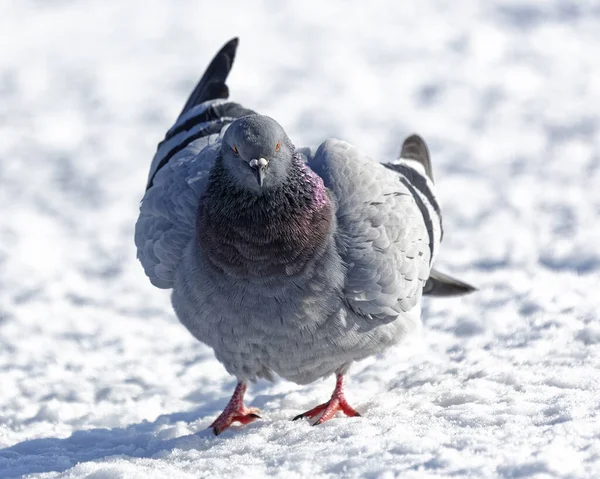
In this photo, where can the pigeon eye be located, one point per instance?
(277, 146)
(235, 150)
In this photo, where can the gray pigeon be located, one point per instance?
(286, 261)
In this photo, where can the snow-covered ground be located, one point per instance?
(98, 379)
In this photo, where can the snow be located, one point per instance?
(98, 379)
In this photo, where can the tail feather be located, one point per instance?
(440, 284)
(212, 84)
(415, 148)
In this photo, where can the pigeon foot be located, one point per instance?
(235, 411)
(336, 403)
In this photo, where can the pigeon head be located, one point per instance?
(257, 152)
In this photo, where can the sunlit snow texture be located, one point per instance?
(98, 379)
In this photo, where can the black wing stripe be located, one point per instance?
(210, 120)
(208, 129)
(424, 212)
(212, 113)
(420, 183)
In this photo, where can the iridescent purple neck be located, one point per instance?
(277, 233)
(317, 187)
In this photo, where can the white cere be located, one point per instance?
(260, 162)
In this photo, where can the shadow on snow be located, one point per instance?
(141, 440)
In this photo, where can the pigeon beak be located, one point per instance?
(260, 167)
(260, 176)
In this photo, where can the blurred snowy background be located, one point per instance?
(98, 379)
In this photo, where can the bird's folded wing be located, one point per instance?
(381, 234)
(168, 210)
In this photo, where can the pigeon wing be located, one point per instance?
(180, 169)
(381, 234)
(168, 210)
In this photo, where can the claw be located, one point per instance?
(235, 412)
(228, 418)
(327, 410)
(313, 412)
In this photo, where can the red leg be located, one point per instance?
(336, 403)
(235, 411)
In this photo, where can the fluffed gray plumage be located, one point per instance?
(283, 261)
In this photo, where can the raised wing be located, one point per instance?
(381, 235)
(180, 168)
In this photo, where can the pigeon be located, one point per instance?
(286, 261)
